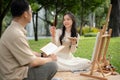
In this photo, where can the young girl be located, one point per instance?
(69, 38)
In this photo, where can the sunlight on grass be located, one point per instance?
(85, 48)
(36, 45)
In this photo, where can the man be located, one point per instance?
(17, 60)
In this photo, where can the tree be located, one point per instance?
(80, 8)
(87, 7)
(4, 8)
(57, 7)
(35, 8)
(101, 13)
(115, 18)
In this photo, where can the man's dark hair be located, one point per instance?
(18, 7)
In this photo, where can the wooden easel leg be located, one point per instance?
(100, 69)
(92, 68)
(96, 77)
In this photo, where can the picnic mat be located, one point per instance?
(77, 76)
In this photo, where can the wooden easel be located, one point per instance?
(99, 59)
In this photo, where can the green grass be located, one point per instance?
(85, 48)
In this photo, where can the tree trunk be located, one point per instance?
(56, 7)
(0, 27)
(36, 30)
(115, 18)
(46, 24)
(35, 26)
(3, 12)
(0, 18)
(92, 19)
(81, 18)
(55, 22)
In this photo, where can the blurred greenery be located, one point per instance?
(87, 30)
(90, 34)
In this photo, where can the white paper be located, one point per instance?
(51, 48)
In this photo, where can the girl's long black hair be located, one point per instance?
(73, 28)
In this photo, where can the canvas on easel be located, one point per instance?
(99, 55)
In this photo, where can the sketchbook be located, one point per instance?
(51, 48)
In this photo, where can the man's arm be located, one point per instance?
(36, 54)
(41, 60)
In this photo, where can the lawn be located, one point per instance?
(85, 48)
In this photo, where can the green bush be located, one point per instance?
(90, 30)
(94, 30)
(90, 35)
(85, 30)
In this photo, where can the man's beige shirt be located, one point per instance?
(15, 53)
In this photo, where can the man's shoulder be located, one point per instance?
(12, 34)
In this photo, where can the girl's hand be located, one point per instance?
(52, 31)
(73, 40)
